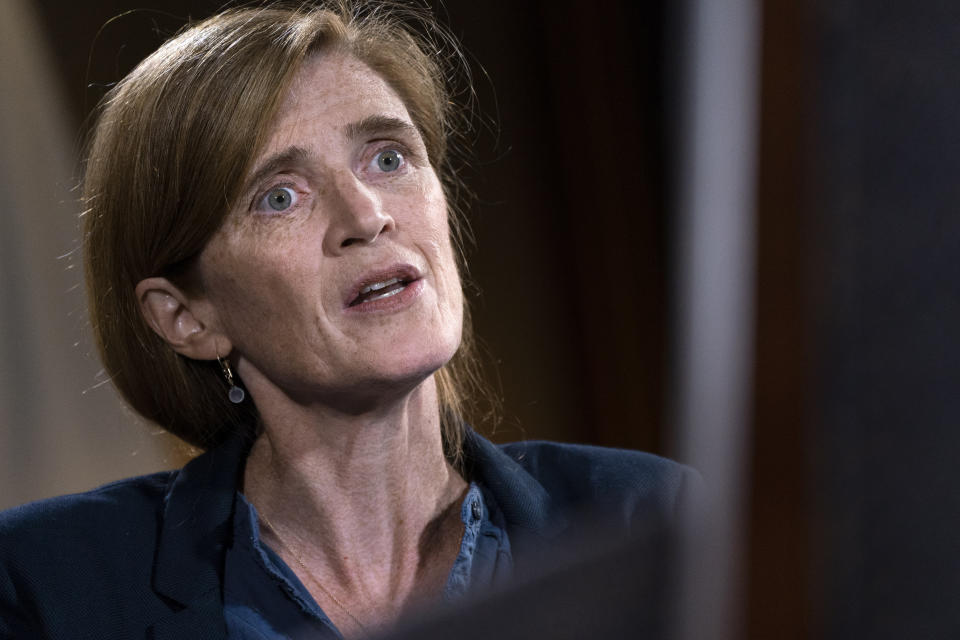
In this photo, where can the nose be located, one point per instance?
(357, 215)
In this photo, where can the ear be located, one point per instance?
(178, 320)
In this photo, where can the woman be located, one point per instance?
(272, 274)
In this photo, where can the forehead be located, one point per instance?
(327, 94)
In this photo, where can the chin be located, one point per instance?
(383, 387)
(418, 350)
(410, 367)
(390, 368)
(418, 367)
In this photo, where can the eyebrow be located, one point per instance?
(379, 125)
(290, 155)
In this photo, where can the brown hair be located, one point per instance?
(175, 139)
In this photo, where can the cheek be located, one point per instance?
(219, 278)
(448, 277)
(442, 255)
(437, 228)
(246, 286)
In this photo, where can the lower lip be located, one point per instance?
(397, 302)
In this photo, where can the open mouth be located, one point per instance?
(381, 290)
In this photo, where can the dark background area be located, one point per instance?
(854, 499)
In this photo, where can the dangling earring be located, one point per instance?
(236, 394)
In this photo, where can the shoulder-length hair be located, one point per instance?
(172, 145)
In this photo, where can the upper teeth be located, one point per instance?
(378, 285)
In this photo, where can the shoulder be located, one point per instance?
(555, 461)
(120, 560)
(113, 508)
(58, 553)
(584, 476)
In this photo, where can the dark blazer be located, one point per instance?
(143, 557)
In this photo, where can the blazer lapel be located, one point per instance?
(194, 534)
(203, 620)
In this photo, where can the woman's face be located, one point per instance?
(334, 279)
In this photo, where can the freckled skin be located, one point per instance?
(277, 281)
(349, 466)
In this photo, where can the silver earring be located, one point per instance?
(236, 394)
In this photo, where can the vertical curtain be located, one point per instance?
(713, 311)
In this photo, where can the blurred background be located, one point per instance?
(719, 230)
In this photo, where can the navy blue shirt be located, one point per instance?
(264, 599)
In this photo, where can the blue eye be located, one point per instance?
(279, 199)
(389, 160)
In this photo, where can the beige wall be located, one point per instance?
(60, 429)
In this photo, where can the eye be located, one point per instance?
(389, 160)
(279, 199)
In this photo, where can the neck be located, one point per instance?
(366, 502)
